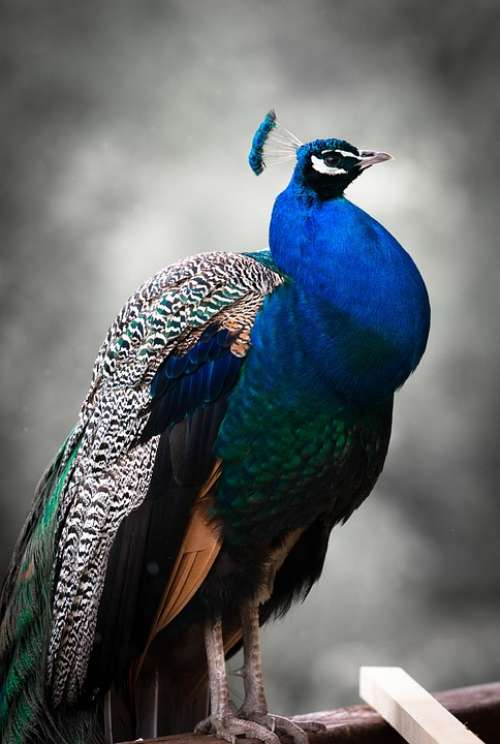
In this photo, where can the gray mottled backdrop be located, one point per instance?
(123, 143)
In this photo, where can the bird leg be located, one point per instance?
(254, 707)
(223, 722)
(255, 702)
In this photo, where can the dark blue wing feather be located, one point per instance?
(183, 382)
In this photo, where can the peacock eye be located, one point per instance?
(331, 161)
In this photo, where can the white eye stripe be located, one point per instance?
(319, 165)
(344, 153)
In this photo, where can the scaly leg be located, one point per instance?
(255, 702)
(223, 722)
(254, 707)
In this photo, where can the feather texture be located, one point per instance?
(26, 620)
(272, 143)
(112, 472)
(199, 312)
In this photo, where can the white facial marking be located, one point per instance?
(344, 153)
(319, 165)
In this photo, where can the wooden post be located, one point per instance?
(411, 710)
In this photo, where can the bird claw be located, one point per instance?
(286, 728)
(230, 727)
(311, 727)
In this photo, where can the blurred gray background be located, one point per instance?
(124, 138)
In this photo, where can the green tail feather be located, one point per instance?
(25, 628)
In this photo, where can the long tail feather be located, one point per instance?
(25, 626)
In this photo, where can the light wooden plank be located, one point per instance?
(410, 709)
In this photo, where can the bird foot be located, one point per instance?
(285, 728)
(311, 727)
(231, 726)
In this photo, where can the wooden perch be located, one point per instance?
(477, 707)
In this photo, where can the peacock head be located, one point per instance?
(324, 168)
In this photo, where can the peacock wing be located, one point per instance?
(145, 437)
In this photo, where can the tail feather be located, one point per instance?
(25, 625)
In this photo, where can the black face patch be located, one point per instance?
(344, 164)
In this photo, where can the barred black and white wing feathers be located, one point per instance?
(201, 308)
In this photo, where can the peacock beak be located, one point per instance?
(371, 157)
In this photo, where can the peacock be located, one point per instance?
(240, 407)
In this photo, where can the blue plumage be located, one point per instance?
(331, 347)
(195, 378)
(357, 293)
(213, 344)
(362, 343)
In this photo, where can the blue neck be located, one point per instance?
(363, 304)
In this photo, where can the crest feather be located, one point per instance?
(271, 144)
